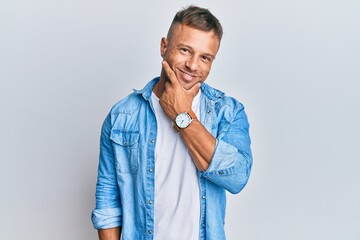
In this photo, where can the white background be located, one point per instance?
(294, 64)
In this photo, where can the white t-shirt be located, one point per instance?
(177, 191)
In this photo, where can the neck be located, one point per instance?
(159, 87)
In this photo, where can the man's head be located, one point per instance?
(198, 18)
(191, 45)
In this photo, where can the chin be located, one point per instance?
(188, 86)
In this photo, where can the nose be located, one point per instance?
(191, 63)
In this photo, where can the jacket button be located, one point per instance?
(149, 232)
(221, 172)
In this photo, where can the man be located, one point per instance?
(169, 151)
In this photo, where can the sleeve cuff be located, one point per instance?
(106, 218)
(223, 159)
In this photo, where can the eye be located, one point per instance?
(207, 59)
(184, 50)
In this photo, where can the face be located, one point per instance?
(190, 54)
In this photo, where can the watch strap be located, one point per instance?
(192, 114)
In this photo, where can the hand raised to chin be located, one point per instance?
(175, 99)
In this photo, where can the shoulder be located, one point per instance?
(220, 99)
(135, 100)
(127, 105)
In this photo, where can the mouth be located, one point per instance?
(187, 77)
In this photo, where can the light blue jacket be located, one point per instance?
(125, 185)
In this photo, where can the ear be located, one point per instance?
(163, 46)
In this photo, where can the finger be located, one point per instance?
(167, 84)
(170, 73)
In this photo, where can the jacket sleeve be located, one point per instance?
(232, 159)
(107, 213)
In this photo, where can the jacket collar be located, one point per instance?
(147, 90)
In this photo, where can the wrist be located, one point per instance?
(183, 120)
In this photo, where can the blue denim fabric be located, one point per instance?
(125, 186)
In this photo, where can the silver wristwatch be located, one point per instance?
(184, 119)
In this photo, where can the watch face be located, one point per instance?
(183, 120)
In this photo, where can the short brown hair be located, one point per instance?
(198, 18)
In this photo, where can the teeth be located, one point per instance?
(187, 76)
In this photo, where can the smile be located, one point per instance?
(187, 76)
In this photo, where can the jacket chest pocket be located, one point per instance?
(126, 150)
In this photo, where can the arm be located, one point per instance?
(232, 160)
(225, 160)
(110, 234)
(107, 213)
(175, 99)
(200, 142)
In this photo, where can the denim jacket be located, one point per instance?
(125, 184)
